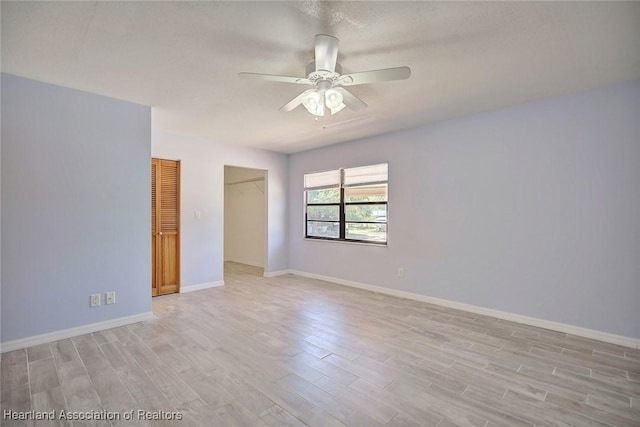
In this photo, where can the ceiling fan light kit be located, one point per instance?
(328, 95)
(323, 98)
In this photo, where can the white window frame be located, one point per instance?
(341, 180)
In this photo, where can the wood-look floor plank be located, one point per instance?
(17, 399)
(212, 393)
(43, 375)
(171, 357)
(494, 412)
(116, 355)
(112, 393)
(143, 391)
(343, 352)
(294, 351)
(359, 370)
(415, 393)
(318, 397)
(360, 419)
(37, 352)
(583, 409)
(14, 375)
(614, 406)
(196, 413)
(416, 410)
(538, 381)
(142, 354)
(402, 420)
(64, 351)
(243, 392)
(381, 412)
(90, 354)
(50, 400)
(171, 385)
(80, 394)
(202, 360)
(551, 414)
(234, 414)
(613, 387)
(327, 369)
(14, 357)
(289, 401)
(316, 417)
(102, 337)
(509, 380)
(230, 363)
(275, 416)
(124, 335)
(420, 368)
(69, 370)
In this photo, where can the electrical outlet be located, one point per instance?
(110, 298)
(95, 300)
(401, 272)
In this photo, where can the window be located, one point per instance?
(347, 204)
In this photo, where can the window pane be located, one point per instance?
(328, 195)
(373, 213)
(325, 213)
(366, 193)
(365, 174)
(323, 229)
(368, 232)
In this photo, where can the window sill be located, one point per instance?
(349, 242)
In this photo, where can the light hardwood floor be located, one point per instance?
(292, 351)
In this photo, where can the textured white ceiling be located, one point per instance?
(182, 58)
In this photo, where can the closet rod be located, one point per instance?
(246, 180)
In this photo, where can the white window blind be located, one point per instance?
(326, 179)
(366, 175)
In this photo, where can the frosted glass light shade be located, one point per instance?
(337, 109)
(333, 98)
(313, 103)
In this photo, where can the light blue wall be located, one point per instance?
(533, 210)
(75, 207)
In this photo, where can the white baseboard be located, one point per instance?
(532, 321)
(73, 332)
(245, 261)
(201, 286)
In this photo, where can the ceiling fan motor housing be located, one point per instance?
(319, 75)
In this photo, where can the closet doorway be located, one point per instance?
(245, 216)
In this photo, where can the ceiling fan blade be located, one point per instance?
(275, 78)
(295, 101)
(350, 100)
(387, 74)
(326, 52)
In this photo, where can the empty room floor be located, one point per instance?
(292, 351)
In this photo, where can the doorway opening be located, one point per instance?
(245, 216)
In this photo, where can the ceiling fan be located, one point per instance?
(324, 74)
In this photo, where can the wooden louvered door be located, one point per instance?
(165, 222)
